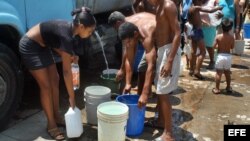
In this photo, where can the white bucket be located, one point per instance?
(247, 43)
(95, 95)
(239, 47)
(112, 121)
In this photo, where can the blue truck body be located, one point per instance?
(16, 18)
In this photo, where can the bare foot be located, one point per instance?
(167, 137)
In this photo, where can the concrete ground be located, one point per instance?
(198, 114)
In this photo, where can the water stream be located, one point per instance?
(101, 44)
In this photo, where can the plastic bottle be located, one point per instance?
(73, 121)
(76, 75)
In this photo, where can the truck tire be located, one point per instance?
(10, 86)
(5, 50)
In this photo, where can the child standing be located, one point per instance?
(224, 42)
(187, 47)
(197, 37)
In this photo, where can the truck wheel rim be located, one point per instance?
(3, 90)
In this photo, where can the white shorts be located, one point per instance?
(165, 85)
(223, 61)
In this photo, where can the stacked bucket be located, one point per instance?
(246, 31)
(115, 119)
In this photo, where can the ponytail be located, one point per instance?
(83, 16)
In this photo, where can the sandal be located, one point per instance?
(210, 66)
(56, 134)
(153, 124)
(215, 91)
(199, 76)
(229, 90)
(191, 73)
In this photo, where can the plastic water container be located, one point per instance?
(246, 29)
(73, 119)
(138, 56)
(135, 124)
(95, 95)
(213, 18)
(112, 121)
(108, 80)
(75, 75)
(239, 47)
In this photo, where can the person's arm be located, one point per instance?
(67, 74)
(151, 60)
(120, 73)
(215, 46)
(136, 4)
(174, 25)
(129, 62)
(210, 10)
(237, 17)
(232, 45)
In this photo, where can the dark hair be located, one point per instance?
(126, 30)
(83, 16)
(114, 17)
(227, 24)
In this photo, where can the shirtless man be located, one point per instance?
(167, 40)
(132, 29)
(197, 37)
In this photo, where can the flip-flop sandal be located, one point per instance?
(191, 73)
(153, 124)
(56, 134)
(215, 91)
(199, 76)
(229, 90)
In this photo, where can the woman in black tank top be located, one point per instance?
(38, 49)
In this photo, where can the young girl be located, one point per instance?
(38, 48)
(224, 43)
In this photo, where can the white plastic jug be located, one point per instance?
(73, 121)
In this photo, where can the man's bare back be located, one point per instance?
(145, 22)
(225, 42)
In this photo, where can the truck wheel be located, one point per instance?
(10, 88)
(6, 50)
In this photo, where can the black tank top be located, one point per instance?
(59, 34)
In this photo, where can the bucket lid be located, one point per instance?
(113, 109)
(97, 90)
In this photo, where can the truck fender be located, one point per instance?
(9, 16)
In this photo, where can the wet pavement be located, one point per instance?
(198, 114)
